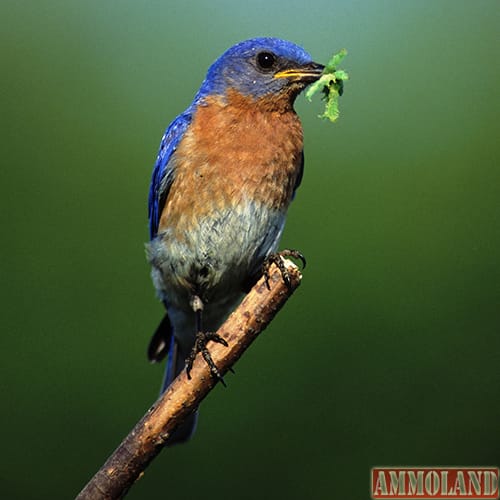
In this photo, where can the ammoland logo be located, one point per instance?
(434, 482)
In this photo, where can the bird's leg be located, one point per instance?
(277, 258)
(200, 342)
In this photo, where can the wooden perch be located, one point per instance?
(183, 396)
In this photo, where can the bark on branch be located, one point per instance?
(148, 437)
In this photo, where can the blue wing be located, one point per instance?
(163, 172)
(301, 174)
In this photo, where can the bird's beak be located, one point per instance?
(307, 73)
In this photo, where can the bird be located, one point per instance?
(226, 171)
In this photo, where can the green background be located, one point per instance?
(388, 354)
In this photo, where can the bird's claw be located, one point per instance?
(200, 345)
(277, 258)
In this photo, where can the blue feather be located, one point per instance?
(235, 68)
(163, 172)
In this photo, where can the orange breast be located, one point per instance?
(233, 151)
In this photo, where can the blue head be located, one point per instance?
(261, 67)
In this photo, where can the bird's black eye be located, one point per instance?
(266, 60)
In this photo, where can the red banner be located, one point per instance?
(434, 482)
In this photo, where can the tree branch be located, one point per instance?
(183, 396)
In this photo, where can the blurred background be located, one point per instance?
(389, 352)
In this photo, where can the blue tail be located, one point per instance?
(163, 343)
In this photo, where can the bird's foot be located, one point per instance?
(277, 258)
(200, 345)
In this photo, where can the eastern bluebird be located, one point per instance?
(226, 172)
